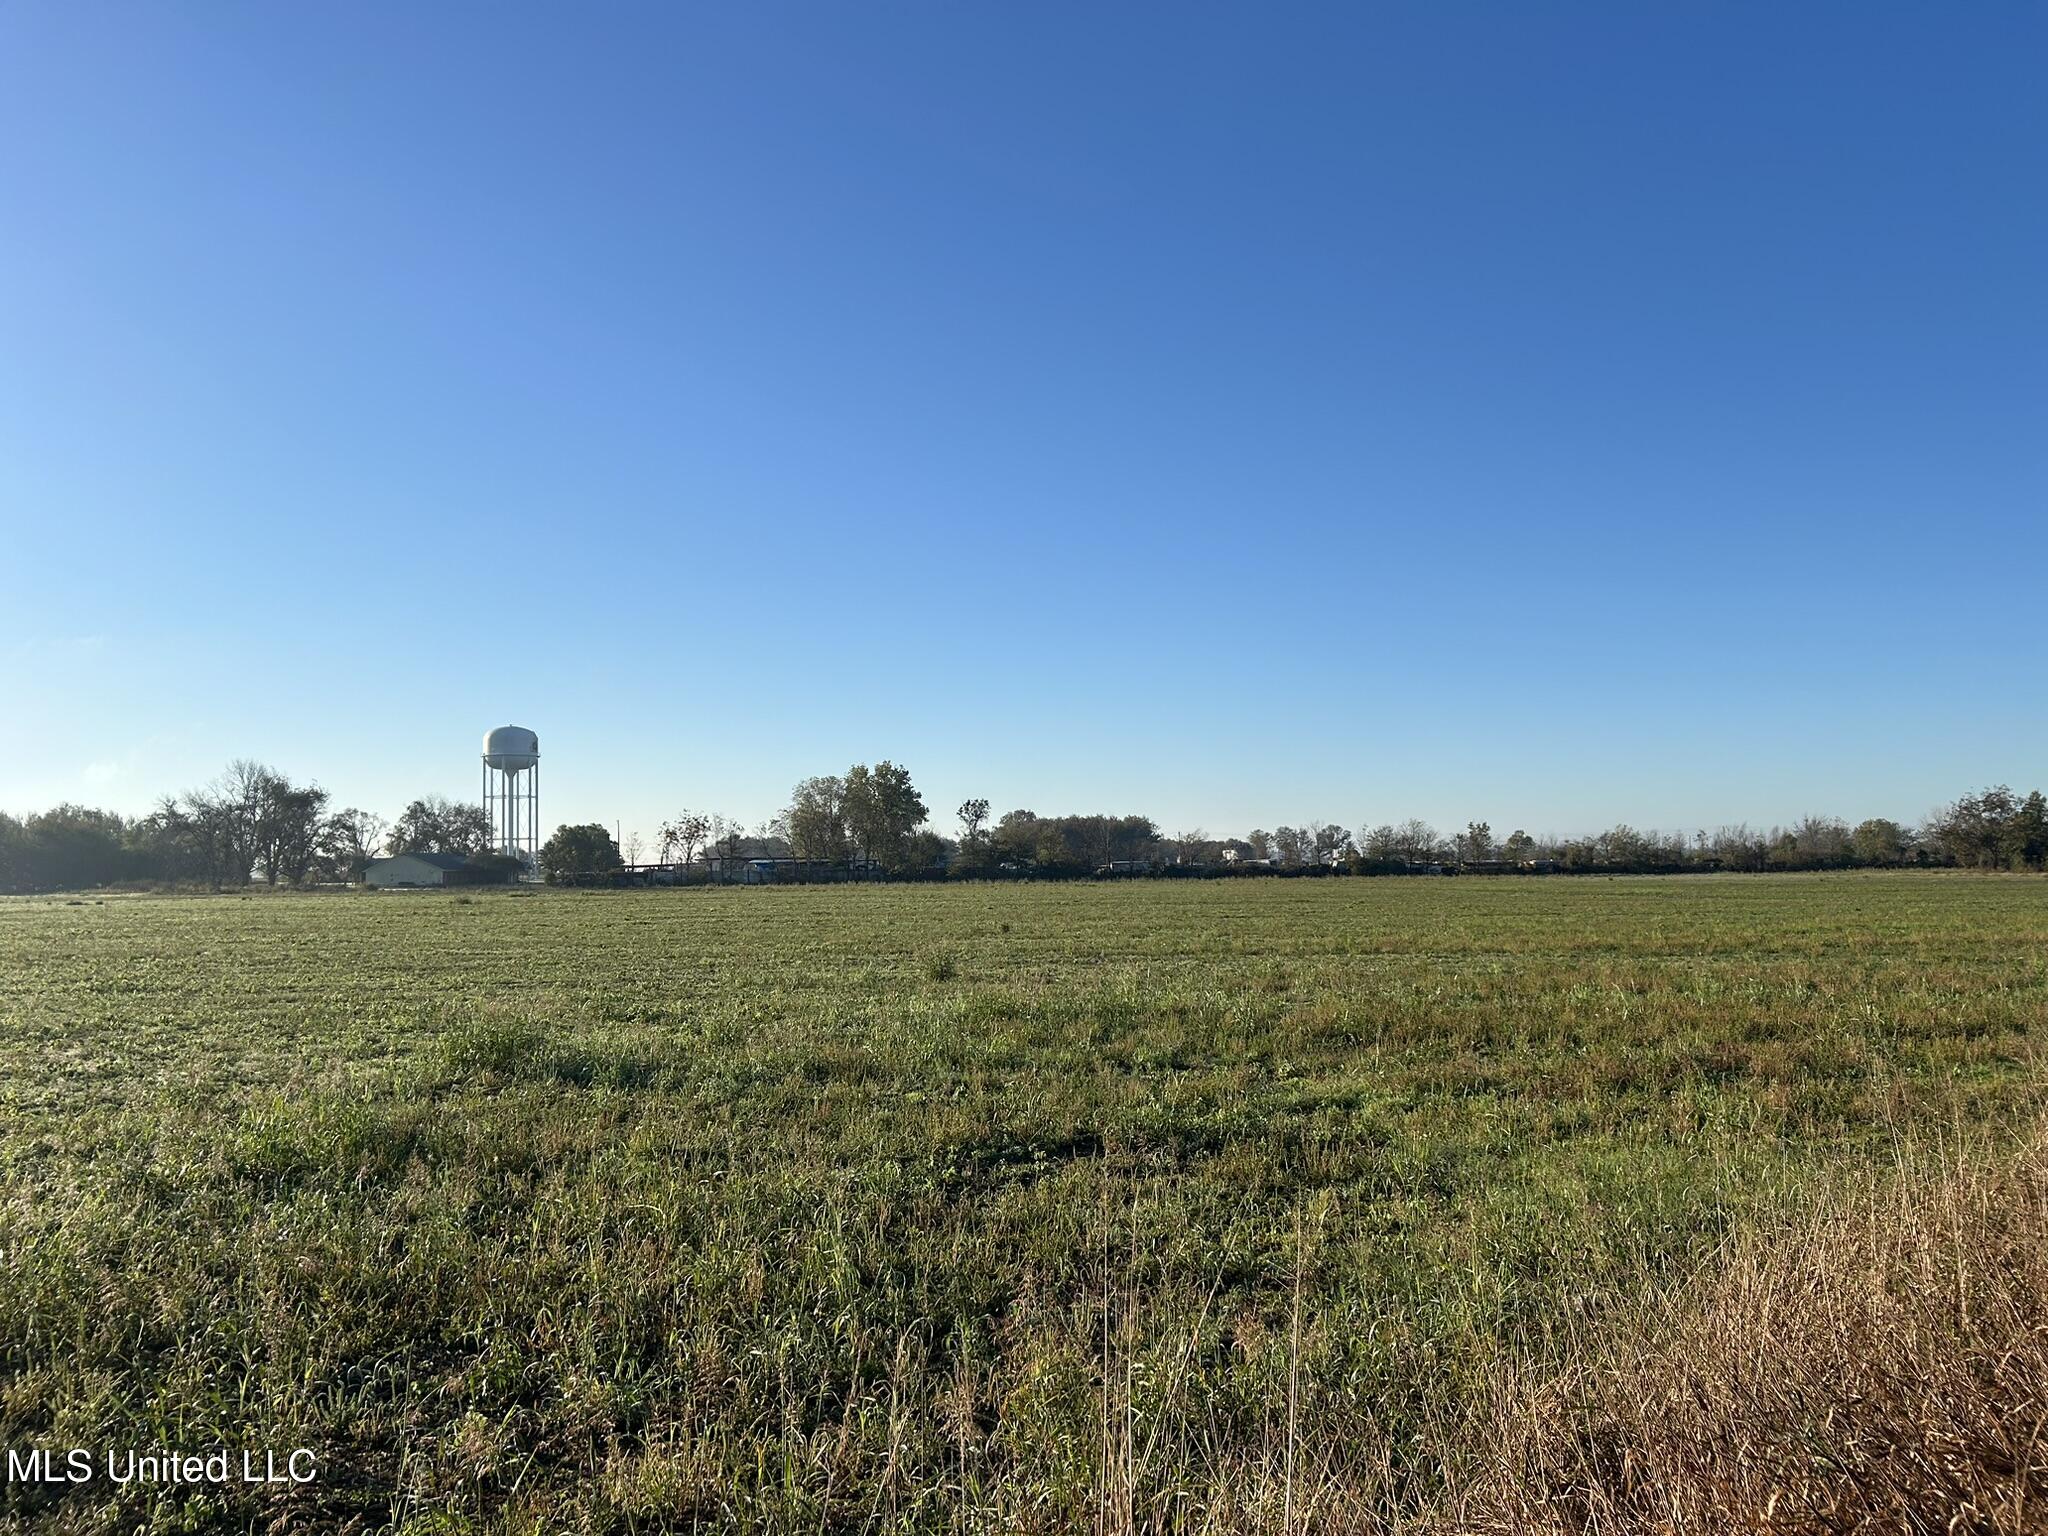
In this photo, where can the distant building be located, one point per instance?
(775, 869)
(412, 869)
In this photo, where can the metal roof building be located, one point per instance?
(411, 869)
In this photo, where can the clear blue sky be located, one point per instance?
(1551, 414)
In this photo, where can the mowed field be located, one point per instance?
(1226, 1205)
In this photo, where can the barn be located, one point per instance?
(411, 869)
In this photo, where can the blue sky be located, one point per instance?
(1549, 414)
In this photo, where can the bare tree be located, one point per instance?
(349, 839)
(1417, 842)
(728, 839)
(232, 809)
(682, 837)
(288, 827)
(973, 819)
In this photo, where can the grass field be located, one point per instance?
(1219, 1205)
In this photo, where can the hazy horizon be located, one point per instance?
(120, 791)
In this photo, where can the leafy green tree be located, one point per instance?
(578, 852)
(434, 824)
(2027, 837)
(13, 854)
(815, 822)
(1878, 842)
(882, 809)
(1073, 845)
(1326, 841)
(1475, 843)
(1015, 839)
(1063, 847)
(68, 847)
(1380, 844)
(1622, 848)
(924, 852)
(1131, 837)
(1977, 831)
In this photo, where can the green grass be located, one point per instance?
(915, 1208)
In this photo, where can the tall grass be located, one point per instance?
(1878, 1363)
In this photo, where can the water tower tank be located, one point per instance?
(512, 791)
(511, 749)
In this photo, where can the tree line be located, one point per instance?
(251, 824)
(254, 823)
(872, 821)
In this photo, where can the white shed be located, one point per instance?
(412, 869)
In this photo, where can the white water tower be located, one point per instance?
(512, 792)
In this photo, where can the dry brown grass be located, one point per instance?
(1877, 1362)
(1877, 1365)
